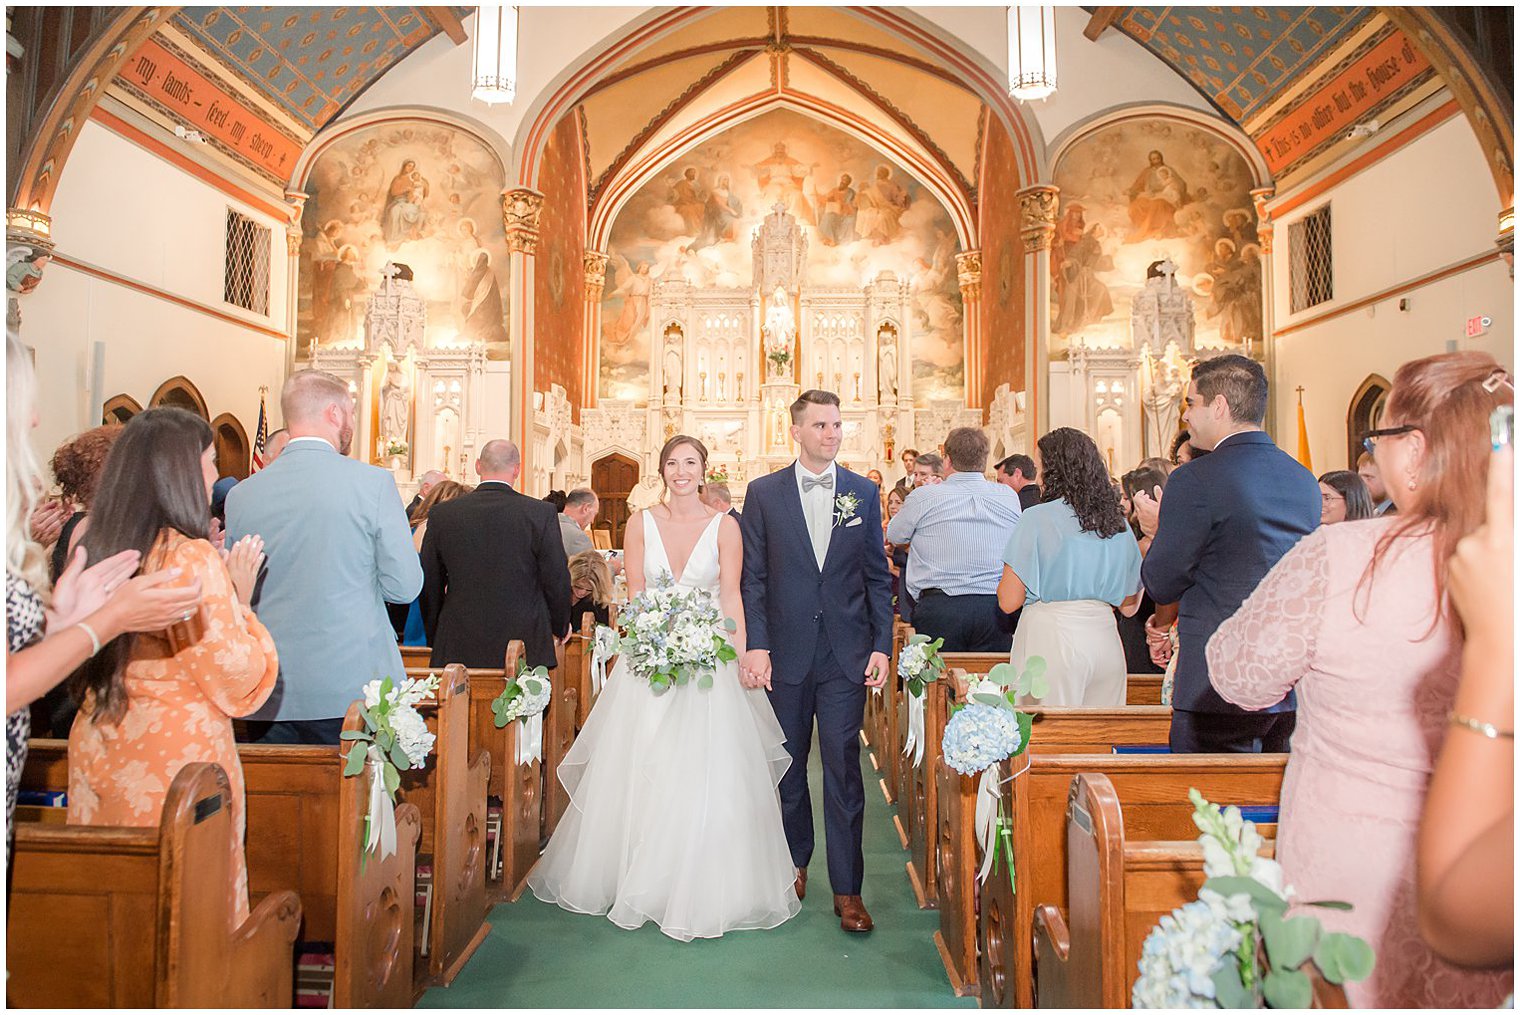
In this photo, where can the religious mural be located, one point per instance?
(417, 192)
(1140, 191)
(862, 212)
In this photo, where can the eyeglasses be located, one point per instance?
(1370, 438)
(1331, 498)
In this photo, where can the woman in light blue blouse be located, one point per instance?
(1070, 561)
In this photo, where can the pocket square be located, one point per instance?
(853, 521)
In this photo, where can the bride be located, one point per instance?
(674, 813)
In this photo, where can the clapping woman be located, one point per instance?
(152, 703)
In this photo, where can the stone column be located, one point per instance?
(28, 249)
(297, 202)
(521, 209)
(1037, 228)
(594, 262)
(1267, 351)
(968, 267)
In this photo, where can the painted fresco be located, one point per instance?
(863, 214)
(417, 192)
(1140, 191)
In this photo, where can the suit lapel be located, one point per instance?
(841, 487)
(793, 500)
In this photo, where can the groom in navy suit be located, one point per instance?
(818, 616)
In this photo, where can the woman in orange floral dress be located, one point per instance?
(153, 703)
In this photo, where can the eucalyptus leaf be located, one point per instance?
(1344, 907)
(1266, 900)
(1035, 666)
(353, 735)
(399, 758)
(1343, 958)
(1228, 990)
(392, 780)
(355, 762)
(1039, 686)
(1287, 989)
(730, 625)
(988, 698)
(1003, 674)
(1289, 942)
(705, 681)
(1026, 726)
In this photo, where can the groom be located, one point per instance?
(818, 613)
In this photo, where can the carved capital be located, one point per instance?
(28, 248)
(296, 201)
(1037, 215)
(521, 209)
(968, 269)
(595, 264)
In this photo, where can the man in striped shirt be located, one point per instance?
(959, 529)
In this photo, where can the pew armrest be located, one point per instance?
(1050, 928)
(277, 918)
(261, 962)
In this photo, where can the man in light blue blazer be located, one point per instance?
(338, 548)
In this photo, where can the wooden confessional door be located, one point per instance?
(613, 478)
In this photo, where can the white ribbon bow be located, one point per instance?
(599, 657)
(913, 743)
(530, 739)
(380, 829)
(986, 818)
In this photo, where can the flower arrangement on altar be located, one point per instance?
(672, 634)
(1235, 946)
(395, 447)
(524, 699)
(717, 474)
(981, 734)
(780, 357)
(395, 739)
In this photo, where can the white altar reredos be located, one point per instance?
(726, 364)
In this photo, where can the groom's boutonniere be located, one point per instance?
(845, 506)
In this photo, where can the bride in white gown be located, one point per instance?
(674, 813)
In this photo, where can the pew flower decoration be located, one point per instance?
(395, 739)
(1235, 947)
(918, 665)
(604, 645)
(524, 699)
(672, 635)
(989, 728)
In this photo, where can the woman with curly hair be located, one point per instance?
(77, 465)
(1070, 561)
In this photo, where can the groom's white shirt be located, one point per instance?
(818, 507)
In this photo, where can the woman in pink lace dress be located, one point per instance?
(1355, 617)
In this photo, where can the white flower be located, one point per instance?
(911, 661)
(412, 735)
(372, 694)
(1180, 957)
(845, 506)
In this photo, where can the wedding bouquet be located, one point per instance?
(1235, 947)
(672, 634)
(395, 739)
(524, 699)
(981, 734)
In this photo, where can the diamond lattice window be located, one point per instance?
(246, 274)
(1310, 278)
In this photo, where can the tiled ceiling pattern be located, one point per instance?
(310, 60)
(1241, 57)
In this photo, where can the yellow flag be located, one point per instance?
(1304, 457)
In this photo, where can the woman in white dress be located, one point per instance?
(674, 811)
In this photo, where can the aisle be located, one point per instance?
(539, 956)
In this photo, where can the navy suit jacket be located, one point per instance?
(1226, 519)
(789, 602)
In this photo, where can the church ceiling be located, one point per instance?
(1241, 58)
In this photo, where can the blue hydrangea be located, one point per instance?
(1180, 957)
(978, 737)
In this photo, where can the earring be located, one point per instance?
(1412, 483)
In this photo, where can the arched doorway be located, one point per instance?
(119, 409)
(613, 478)
(231, 446)
(181, 394)
(1365, 412)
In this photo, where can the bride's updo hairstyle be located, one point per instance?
(669, 448)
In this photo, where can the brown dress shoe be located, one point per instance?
(801, 883)
(852, 914)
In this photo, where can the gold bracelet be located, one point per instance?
(1486, 729)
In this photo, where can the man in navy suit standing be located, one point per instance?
(818, 615)
(1226, 519)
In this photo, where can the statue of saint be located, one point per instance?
(395, 405)
(887, 374)
(779, 329)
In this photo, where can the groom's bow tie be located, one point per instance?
(825, 481)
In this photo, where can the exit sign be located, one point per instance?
(1478, 325)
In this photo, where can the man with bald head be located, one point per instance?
(339, 549)
(494, 570)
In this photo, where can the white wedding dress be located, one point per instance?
(674, 812)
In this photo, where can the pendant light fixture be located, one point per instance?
(1031, 52)
(495, 75)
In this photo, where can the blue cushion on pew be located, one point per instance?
(1141, 749)
(1262, 814)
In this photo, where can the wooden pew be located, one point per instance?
(1140, 688)
(1117, 890)
(1099, 730)
(305, 829)
(919, 803)
(560, 727)
(1154, 792)
(889, 753)
(1143, 689)
(142, 917)
(416, 657)
(450, 796)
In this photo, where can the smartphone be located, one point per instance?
(1501, 427)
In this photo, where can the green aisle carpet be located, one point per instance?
(539, 956)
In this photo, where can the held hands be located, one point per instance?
(243, 562)
(1159, 641)
(755, 669)
(1148, 510)
(876, 669)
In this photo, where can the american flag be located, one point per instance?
(261, 435)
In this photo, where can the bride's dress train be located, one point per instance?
(674, 813)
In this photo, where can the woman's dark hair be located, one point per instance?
(1354, 489)
(557, 498)
(1143, 478)
(1072, 469)
(152, 482)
